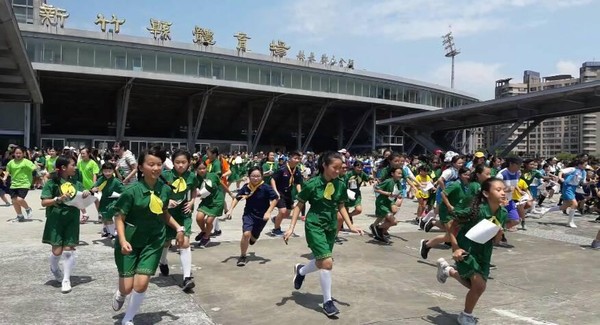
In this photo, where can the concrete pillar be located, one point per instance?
(340, 141)
(250, 126)
(374, 134)
(299, 138)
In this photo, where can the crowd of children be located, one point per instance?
(147, 203)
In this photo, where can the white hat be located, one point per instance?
(342, 151)
(449, 155)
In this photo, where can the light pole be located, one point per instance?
(451, 52)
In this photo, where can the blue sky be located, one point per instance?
(497, 38)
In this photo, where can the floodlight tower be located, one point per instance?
(451, 52)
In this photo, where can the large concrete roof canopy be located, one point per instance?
(571, 100)
(18, 81)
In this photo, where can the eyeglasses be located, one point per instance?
(255, 176)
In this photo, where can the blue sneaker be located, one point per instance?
(298, 278)
(330, 309)
(277, 232)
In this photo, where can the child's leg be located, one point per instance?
(200, 220)
(478, 286)
(208, 227)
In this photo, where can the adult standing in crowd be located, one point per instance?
(126, 163)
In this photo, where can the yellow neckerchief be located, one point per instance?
(292, 172)
(179, 185)
(271, 164)
(329, 190)
(209, 167)
(254, 188)
(102, 185)
(68, 189)
(156, 205)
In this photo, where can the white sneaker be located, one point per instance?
(464, 319)
(66, 286)
(28, 213)
(58, 275)
(118, 301)
(442, 271)
(572, 224)
(129, 323)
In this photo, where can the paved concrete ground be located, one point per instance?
(549, 276)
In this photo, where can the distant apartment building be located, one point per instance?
(569, 134)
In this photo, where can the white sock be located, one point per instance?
(68, 264)
(163, 256)
(326, 285)
(134, 306)
(216, 225)
(571, 212)
(309, 268)
(186, 261)
(111, 229)
(430, 215)
(54, 261)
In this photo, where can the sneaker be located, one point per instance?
(242, 260)
(597, 219)
(442, 270)
(188, 284)
(129, 323)
(28, 213)
(164, 269)
(429, 225)
(596, 244)
(298, 278)
(277, 232)
(572, 224)
(199, 236)
(20, 218)
(216, 233)
(338, 241)
(424, 250)
(58, 275)
(330, 309)
(203, 242)
(523, 225)
(66, 286)
(464, 319)
(118, 301)
(422, 223)
(373, 231)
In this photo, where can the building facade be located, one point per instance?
(569, 134)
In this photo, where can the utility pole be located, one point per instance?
(451, 52)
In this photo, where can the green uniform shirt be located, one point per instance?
(107, 187)
(213, 204)
(269, 166)
(529, 176)
(62, 221)
(383, 203)
(324, 198)
(460, 196)
(494, 171)
(51, 164)
(88, 169)
(52, 189)
(41, 162)
(142, 225)
(182, 187)
(355, 180)
(21, 173)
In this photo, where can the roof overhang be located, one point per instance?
(18, 81)
(571, 100)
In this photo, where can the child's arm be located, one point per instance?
(295, 215)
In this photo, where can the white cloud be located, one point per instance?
(567, 67)
(410, 19)
(477, 78)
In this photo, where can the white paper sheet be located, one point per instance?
(79, 202)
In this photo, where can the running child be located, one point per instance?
(385, 209)
(61, 230)
(107, 184)
(354, 180)
(326, 194)
(20, 170)
(283, 181)
(260, 202)
(571, 178)
(211, 206)
(424, 181)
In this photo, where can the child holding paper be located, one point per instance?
(473, 259)
(62, 221)
(109, 185)
(388, 190)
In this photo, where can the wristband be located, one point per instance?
(181, 229)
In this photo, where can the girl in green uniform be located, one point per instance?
(211, 206)
(354, 181)
(455, 198)
(389, 191)
(326, 194)
(62, 221)
(141, 215)
(20, 170)
(183, 184)
(473, 259)
(107, 184)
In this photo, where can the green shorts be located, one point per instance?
(182, 220)
(142, 260)
(382, 211)
(106, 209)
(320, 235)
(62, 226)
(472, 265)
(352, 204)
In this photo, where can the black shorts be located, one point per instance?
(285, 200)
(253, 224)
(19, 192)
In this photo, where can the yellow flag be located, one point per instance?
(329, 190)
(156, 205)
(101, 187)
(179, 185)
(68, 189)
